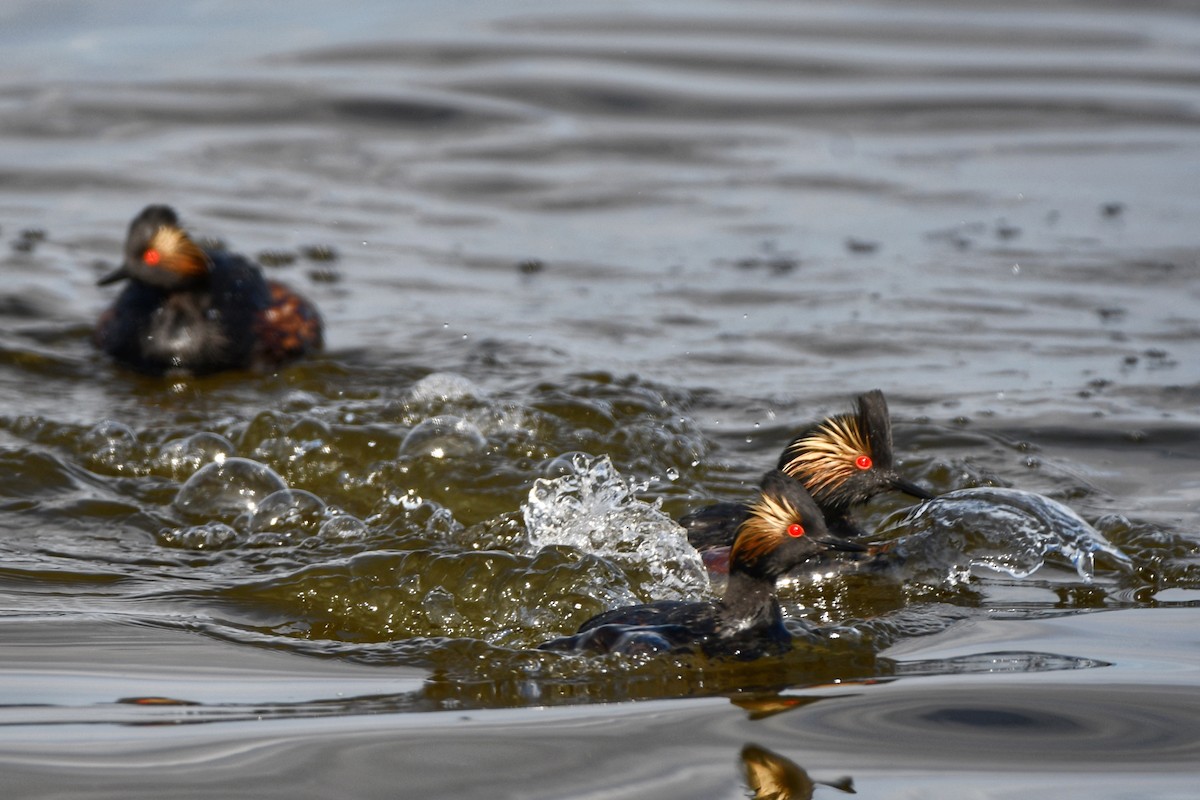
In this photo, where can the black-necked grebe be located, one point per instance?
(191, 310)
(783, 529)
(843, 461)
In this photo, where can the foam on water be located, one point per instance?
(1008, 530)
(593, 508)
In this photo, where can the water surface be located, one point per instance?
(546, 233)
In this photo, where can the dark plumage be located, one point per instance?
(783, 529)
(843, 461)
(190, 310)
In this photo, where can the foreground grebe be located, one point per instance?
(843, 461)
(198, 311)
(783, 529)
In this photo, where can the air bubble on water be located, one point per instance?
(563, 464)
(411, 501)
(344, 527)
(441, 610)
(288, 511)
(209, 536)
(110, 443)
(443, 436)
(672, 474)
(225, 490)
(310, 429)
(182, 457)
(594, 509)
(1006, 530)
(299, 400)
(444, 387)
(503, 419)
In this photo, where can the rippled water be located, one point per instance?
(586, 267)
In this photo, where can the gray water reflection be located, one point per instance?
(1056, 733)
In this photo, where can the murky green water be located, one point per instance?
(543, 234)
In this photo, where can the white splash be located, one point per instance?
(594, 509)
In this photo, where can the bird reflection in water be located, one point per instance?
(770, 776)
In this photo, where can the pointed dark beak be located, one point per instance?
(844, 545)
(119, 274)
(910, 488)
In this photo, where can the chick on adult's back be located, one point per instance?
(190, 310)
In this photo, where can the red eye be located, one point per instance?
(863, 462)
(152, 257)
(796, 530)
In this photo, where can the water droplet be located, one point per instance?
(672, 474)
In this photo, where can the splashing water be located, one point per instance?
(1007, 530)
(593, 508)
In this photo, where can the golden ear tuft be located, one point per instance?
(829, 455)
(767, 526)
(176, 252)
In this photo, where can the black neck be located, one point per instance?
(749, 602)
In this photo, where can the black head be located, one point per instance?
(785, 528)
(160, 253)
(846, 460)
